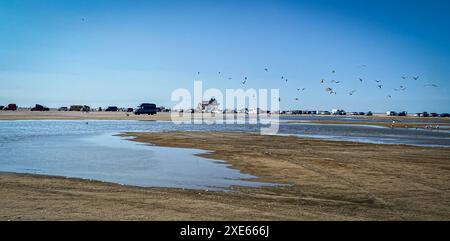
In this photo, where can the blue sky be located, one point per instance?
(127, 52)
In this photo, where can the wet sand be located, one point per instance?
(76, 115)
(328, 180)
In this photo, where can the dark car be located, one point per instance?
(112, 109)
(2, 107)
(86, 108)
(369, 113)
(145, 109)
(444, 115)
(403, 113)
(63, 109)
(434, 114)
(12, 107)
(40, 108)
(425, 114)
(130, 109)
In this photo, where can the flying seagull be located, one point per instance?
(380, 86)
(266, 69)
(243, 82)
(415, 77)
(229, 78)
(322, 80)
(431, 85)
(333, 71)
(403, 77)
(378, 81)
(352, 92)
(360, 80)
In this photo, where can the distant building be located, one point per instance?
(209, 106)
(338, 112)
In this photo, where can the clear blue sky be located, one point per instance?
(127, 52)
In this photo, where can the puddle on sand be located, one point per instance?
(110, 158)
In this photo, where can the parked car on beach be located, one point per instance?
(391, 113)
(40, 108)
(112, 109)
(2, 107)
(145, 109)
(403, 113)
(11, 107)
(63, 109)
(76, 108)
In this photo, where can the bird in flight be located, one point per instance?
(266, 69)
(333, 71)
(334, 81)
(389, 96)
(198, 72)
(329, 90)
(296, 99)
(431, 85)
(322, 80)
(378, 81)
(360, 80)
(229, 78)
(415, 77)
(380, 86)
(302, 89)
(220, 72)
(243, 82)
(352, 92)
(403, 77)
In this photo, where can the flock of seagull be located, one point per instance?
(331, 90)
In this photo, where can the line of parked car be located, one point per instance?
(426, 114)
(422, 114)
(142, 109)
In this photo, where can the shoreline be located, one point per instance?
(74, 115)
(328, 181)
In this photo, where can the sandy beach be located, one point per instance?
(326, 180)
